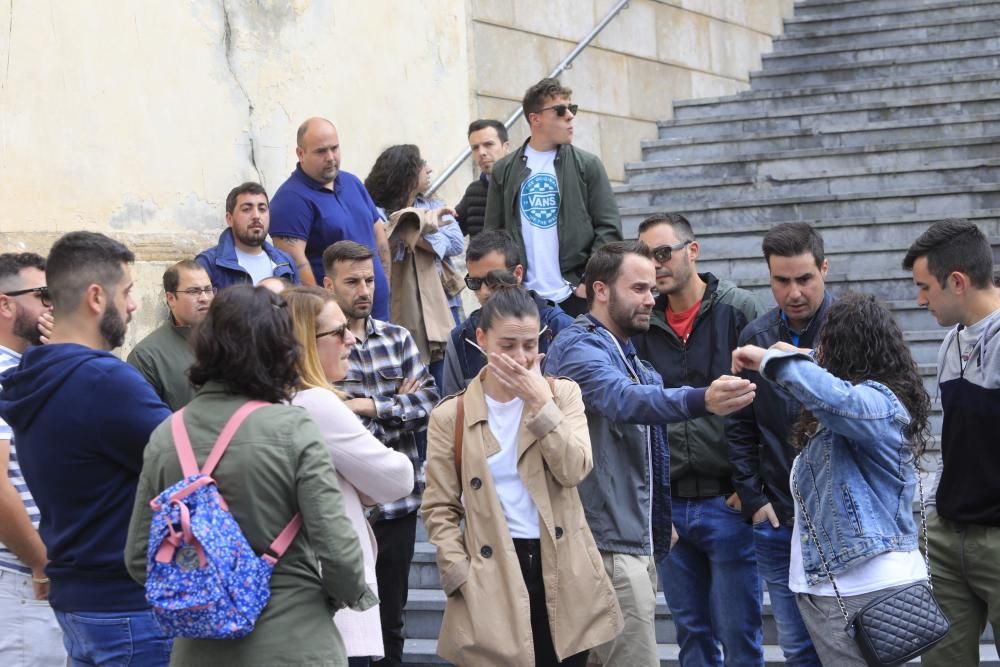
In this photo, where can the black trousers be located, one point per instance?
(529, 553)
(396, 538)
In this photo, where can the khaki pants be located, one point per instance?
(965, 570)
(634, 579)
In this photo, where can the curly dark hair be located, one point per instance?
(394, 176)
(247, 343)
(861, 341)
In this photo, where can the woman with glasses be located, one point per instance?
(276, 465)
(864, 424)
(524, 580)
(368, 471)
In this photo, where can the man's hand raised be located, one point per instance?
(729, 394)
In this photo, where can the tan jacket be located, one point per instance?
(487, 619)
(418, 301)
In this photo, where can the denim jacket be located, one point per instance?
(224, 268)
(856, 475)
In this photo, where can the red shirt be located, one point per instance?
(682, 322)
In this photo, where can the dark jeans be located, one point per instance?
(114, 638)
(529, 553)
(712, 587)
(574, 306)
(396, 538)
(773, 547)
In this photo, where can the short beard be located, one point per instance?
(25, 329)
(252, 241)
(355, 313)
(624, 319)
(113, 327)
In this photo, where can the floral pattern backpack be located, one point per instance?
(204, 581)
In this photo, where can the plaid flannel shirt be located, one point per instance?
(378, 366)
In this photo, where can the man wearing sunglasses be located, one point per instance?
(710, 576)
(164, 356)
(29, 633)
(491, 259)
(553, 199)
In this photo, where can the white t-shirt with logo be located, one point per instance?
(518, 507)
(259, 266)
(539, 209)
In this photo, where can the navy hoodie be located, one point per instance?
(81, 419)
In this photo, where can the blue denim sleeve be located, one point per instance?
(859, 412)
(447, 241)
(608, 391)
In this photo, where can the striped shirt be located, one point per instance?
(8, 561)
(378, 365)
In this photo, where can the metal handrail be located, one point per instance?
(566, 63)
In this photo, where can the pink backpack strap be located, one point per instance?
(228, 431)
(283, 540)
(189, 464)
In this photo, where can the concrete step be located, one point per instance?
(890, 17)
(679, 194)
(844, 54)
(891, 231)
(967, 60)
(893, 91)
(872, 34)
(783, 164)
(422, 653)
(836, 8)
(943, 201)
(843, 115)
(830, 136)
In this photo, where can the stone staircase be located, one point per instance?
(870, 120)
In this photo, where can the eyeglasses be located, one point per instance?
(338, 332)
(491, 281)
(663, 253)
(195, 292)
(561, 109)
(41, 292)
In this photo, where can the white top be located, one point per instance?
(539, 209)
(892, 568)
(368, 473)
(259, 266)
(518, 507)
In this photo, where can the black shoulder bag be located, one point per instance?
(898, 626)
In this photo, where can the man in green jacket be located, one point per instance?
(554, 199)
(164, 356)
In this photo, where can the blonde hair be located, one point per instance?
(305, 303)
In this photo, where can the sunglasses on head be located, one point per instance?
(561, 109)
(663, 253)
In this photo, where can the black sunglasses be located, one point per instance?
(41, 292)
(663, 253)
(338, 332)
(490, 281)
(561, 109)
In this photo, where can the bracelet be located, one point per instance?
(43, 580)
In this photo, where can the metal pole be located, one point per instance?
(566, 63)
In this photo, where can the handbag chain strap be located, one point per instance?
(819, 548)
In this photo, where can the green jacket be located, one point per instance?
(588, 215)
(275, 466)
(163, 358)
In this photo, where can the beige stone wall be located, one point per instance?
(136, 118)
(652, 53)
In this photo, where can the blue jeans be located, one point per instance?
(114, 639)
(712, 587)
(773, 556)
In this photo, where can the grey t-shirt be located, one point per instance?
(259, 266)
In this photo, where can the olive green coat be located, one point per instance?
(275, 466)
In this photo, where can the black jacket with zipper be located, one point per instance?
(699, 454)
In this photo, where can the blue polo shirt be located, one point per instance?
(303, 209)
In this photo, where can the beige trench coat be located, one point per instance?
(487, 618)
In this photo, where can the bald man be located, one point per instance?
(319, 205)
